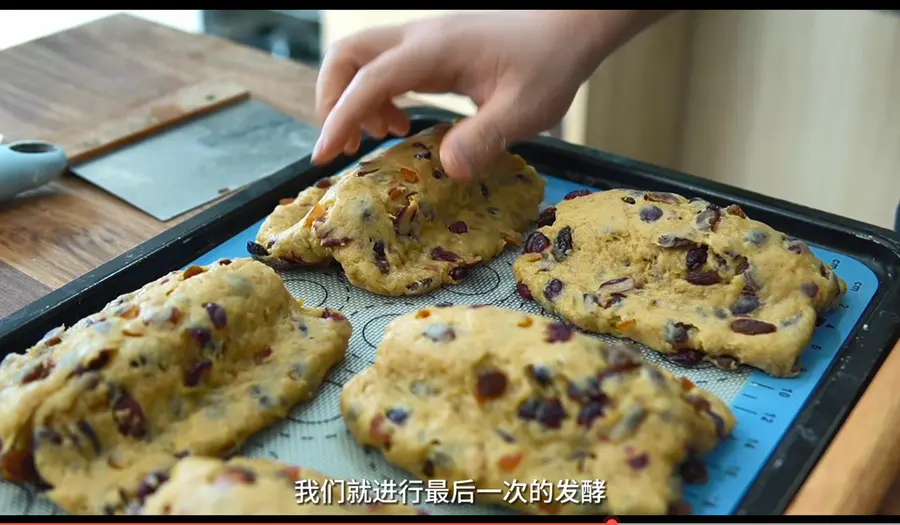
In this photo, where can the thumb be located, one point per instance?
(475, 143)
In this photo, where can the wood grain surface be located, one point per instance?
(67, 83)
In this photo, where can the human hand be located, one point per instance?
(522, 69)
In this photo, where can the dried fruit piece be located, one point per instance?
(536, 242)
(403, 222)
(398, 416)
(745, 304)
(658, 196)
(440, 254)
(323, 183)
(38, 372)
(696, 257)
(524, 292)
(217, 315)
(574, 194)
(381, 260)
(703, 277)
(491, 384)
(509, 462)
(559, 333)
(678, 334)
(192, 271)
(409, 175)
(547, 217)
(440, 333)
(627, 200)
(686, 357)
(563, 244)
(752, 327)
(650, 213)
(734, 209)
(197, 372)
(810, 289)
(129, 416)
(617, 286)
(708, 219)
(438, 173)
(670, 240)
(459, 227)
(553, 289)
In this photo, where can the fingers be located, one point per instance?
(473, 144)
(392, 73)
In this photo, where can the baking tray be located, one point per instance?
(784, 425)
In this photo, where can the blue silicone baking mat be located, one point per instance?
(314, 435)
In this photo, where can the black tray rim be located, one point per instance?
(773, 488)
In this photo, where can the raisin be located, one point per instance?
(254, 248)
(38, 372)
(798, 247)
(421, 284)
(559, 332)
(423, 155)
(48, 435)
(757, 237)
(590, 412)
(553, 289)
(628, 200)
(484, 190)
(460, 272)
(334, 315)
(323, 183)
(380, 257)
(541, 374)
(85, 428)
(334, 242)
(440, 333)
(524, 292)
(98, 362)
(810, 289)
(650, 213)
(752, 327)
(696, 257)
(505, 436)
(745, 304)
(202, 335)
(547, 217)
(459, 227)
(619, 285)
(217, 315)
(197, 372)
(149, 485)
(734, 209)
(551, 413)
(670, 240)
(491, 384)
(129, 416)
(703, 277)
(563, 244)
(726, 362)
(403, 220)
(574, 194)
(528, 410)
(622, 357)
(708, 219)
(678, 334)
(398, 416)
(639, 462)
(438, 173)
(536, 243)
(686, 357)
(440, 254)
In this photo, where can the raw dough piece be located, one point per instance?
(683, 277)
(399, 226)
(494, 395)
(251, 487)
(194, 362)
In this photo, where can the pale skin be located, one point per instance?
(521, 68)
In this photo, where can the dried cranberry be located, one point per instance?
(458, 227)
(197, 372)
(129, 416)
(708, 219)
(440, 254)
(536, 243)
(551, 413)
(628, 200)
(574, 194)
(559, 332)
(703, 277)
(39, 371)
(752, 327)
(650, 213)
(810, 289)
(524, 292)
(639, 462)
(381, 257)
(673, 241)
(686, 357)
(217, 315)
(323, 183)
(460, 272)
(334, 315)
(547, 217)
(98, 362)
(491, 384)
(254, 248)
(563, 244)
(202, 335)
(590, 412)
(541, 374)
(553, 289)
(398, 416)
(745, 304)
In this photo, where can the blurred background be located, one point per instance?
(802, 105)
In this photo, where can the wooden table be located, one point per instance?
(65, 82)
